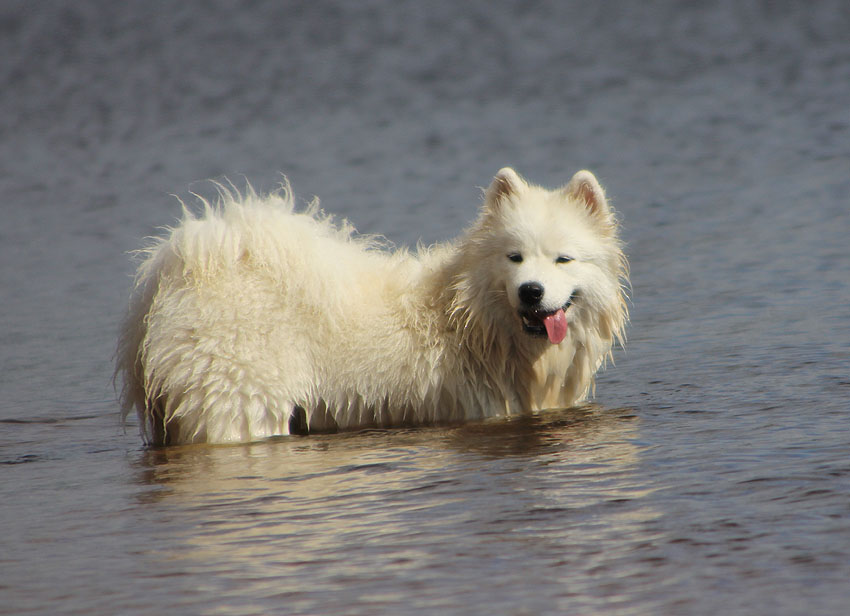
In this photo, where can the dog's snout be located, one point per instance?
(530, 293)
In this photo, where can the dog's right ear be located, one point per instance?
(506, 183)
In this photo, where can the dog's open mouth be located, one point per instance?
(551, 324)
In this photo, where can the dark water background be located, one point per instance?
(710, 477)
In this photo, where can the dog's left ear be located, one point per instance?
(585, 189)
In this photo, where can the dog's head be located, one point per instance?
(554, 253)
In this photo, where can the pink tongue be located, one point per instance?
(556, 326)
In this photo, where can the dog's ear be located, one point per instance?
(585, 189)
(506, 183)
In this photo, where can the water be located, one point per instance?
(709, 476)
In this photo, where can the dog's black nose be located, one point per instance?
(530, 293)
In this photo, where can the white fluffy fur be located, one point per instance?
(253, 311)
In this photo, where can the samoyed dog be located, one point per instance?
(255, 319)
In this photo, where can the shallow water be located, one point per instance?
(709, 476)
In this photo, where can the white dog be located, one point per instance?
(255, 320)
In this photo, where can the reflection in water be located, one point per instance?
(350, 513)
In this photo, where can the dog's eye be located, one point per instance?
(563, 259)
(515, 257)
